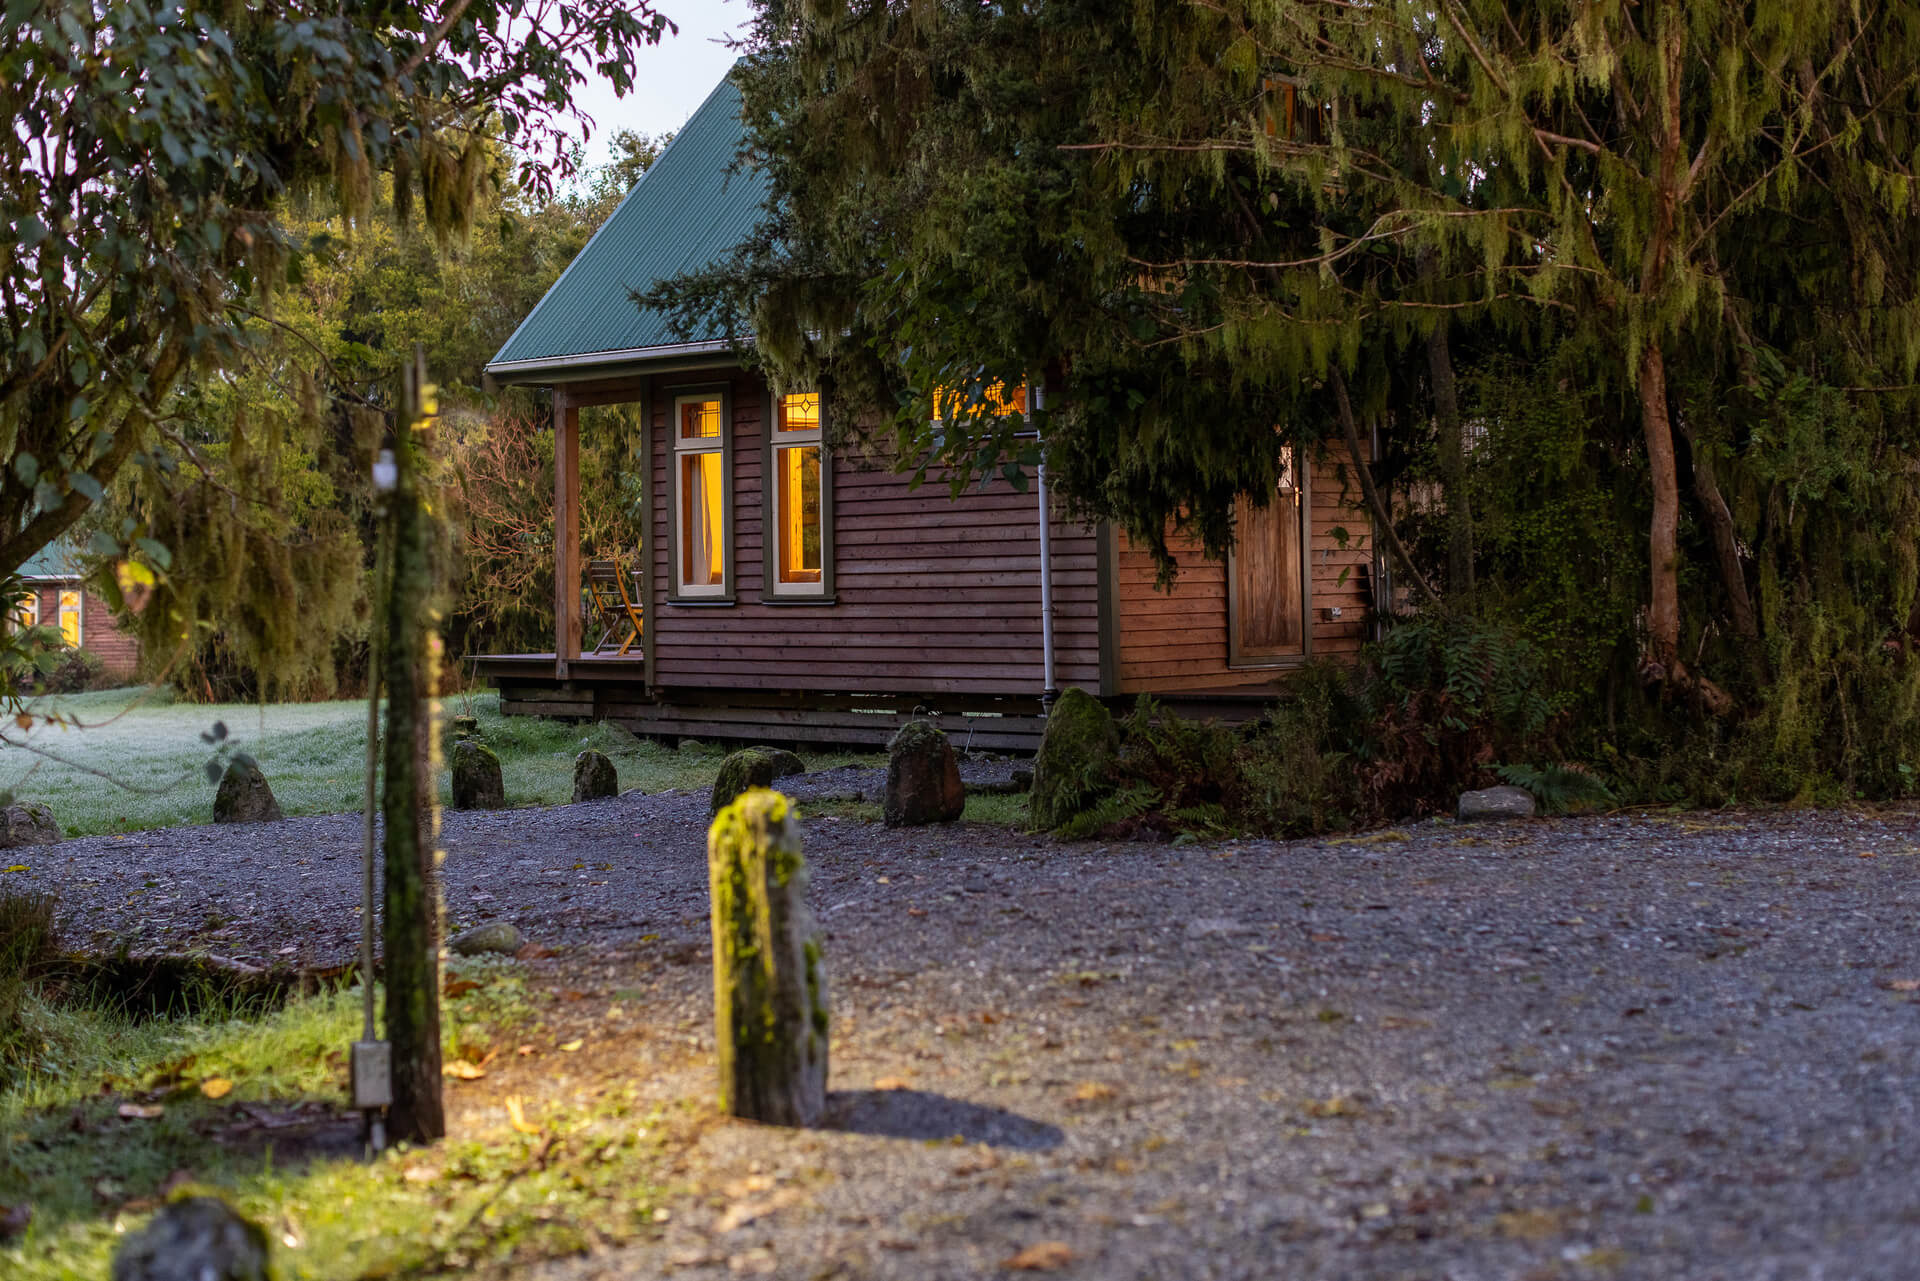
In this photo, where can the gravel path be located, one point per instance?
(1640, 1046)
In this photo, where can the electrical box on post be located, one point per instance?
(372, 1075)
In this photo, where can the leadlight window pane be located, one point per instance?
(699, 420)
(800, 412)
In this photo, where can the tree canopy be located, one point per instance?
(1203, 223)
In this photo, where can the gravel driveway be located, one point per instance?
(1635, 1046)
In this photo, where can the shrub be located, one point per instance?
(78, 671)
(27, 951)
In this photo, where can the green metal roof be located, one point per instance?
(688, 210)
(55, 560)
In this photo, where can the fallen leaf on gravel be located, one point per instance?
(18, 867)
(757, 1262)
(1529, 1225)
(141, 1111)
(525, 1051)
(517, 1118)
(741, 1188)
(916, 911)
(572, 994)
(458, 987)
(1338, 1105)
(1046, 1256)
(216, 1087)
(891, 1083)
(690, 1258)
(1903, 985)
(571, 1046)
(744, 1212)
(461, 1070)
(420, 1174)
(1090, 1092)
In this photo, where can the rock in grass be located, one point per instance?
(769, 977)
(740, 771)
(594, 777)
(785, 763)
(28, 823)
(1074, 767)
(923, 778)
(244, 796)
(499, 937)
(198, 1238)
(1496, 803)
(477, 784)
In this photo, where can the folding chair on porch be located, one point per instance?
(613, 606)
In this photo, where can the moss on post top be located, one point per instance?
(915, 735)
(759, 815)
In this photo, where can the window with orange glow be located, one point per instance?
(70, 608)
(798, 517)
(700, 496)
(998, 399)
(25, 612)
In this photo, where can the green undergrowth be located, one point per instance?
(252, 1108)
(135, 758)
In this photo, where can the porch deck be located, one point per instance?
(615, 689)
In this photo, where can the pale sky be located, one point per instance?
(671, 78)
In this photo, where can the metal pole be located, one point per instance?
(371, 1089)
(1048, 692)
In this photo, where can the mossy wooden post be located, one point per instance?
(409, 803)
(769, 979)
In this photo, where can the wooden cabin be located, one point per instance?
(787, 588)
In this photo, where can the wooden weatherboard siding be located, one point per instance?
(932, 595)
(1176, 641)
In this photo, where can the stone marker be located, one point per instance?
(1074, 766)
(500, 937)
(28, 823)
(785, 763)
(740, 771)
(1495, 803)
(769, 979)
(594, 777)
(244, 796)
(466, 727)
(476, 777)
(198, 1238)
(923, 778)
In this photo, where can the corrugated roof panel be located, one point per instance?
(690, 209)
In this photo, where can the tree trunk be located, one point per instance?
(410, 807)
(1453, 463)
(1726, 551)
(1663, 550)
(769, 983)
(1383, 523)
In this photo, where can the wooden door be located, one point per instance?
(1268, 618)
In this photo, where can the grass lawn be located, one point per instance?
(249, 1108)
(138, 763)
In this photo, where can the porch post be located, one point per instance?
(566, 532)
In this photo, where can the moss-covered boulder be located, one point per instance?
(244, 796)
(923, 778)
(198, 1238)
(594, 777)
(28, 823)
(769, 976)
(740, 771)
(785, 763)
(477, 784)
(1074, 767)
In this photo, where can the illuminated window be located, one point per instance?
(25, 612)
(700, 494)
(70, 609)
(951, 402)
(797, 559)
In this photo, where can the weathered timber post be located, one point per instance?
(409, 802)
(769, 976)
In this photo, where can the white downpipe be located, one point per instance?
(1046, 566)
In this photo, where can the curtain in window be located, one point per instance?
(799, 514)
(701, 517)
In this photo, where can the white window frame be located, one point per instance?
(79, 595)
(721, 447)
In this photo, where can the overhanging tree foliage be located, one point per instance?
(1206, 220)
(152, 150)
